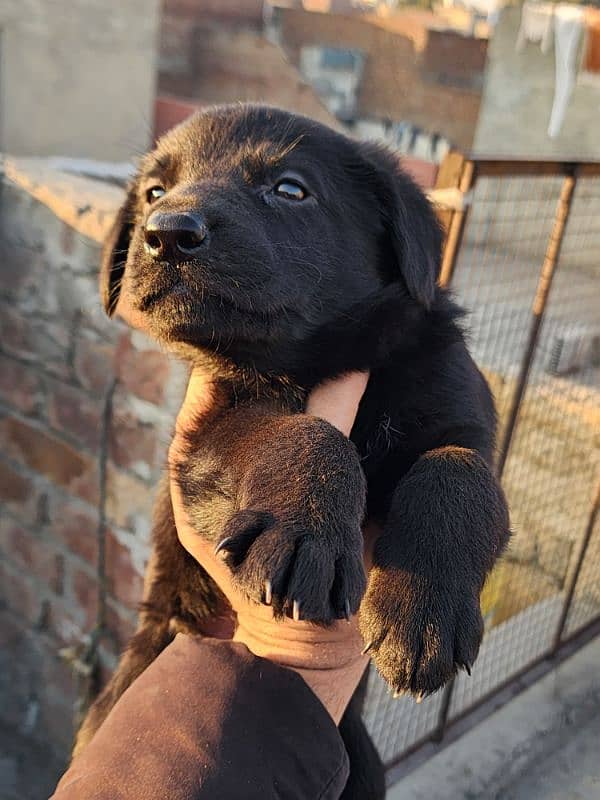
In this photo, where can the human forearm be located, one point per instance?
(209, 719)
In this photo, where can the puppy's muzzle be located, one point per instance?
(173, 236)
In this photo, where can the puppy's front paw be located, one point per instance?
(418, 630)
(302, 570)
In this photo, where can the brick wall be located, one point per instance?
(180, 18)
(209, 55)
(238, 11)
(82, 400)
(429, 78)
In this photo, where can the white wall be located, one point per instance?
(77, 77)
(517, 100)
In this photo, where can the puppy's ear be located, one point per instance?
(114, 253)
(413, 230)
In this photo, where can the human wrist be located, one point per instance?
(329, 660)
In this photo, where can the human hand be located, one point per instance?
(329, 659)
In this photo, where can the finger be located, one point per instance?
(337, 401)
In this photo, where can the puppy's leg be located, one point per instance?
(447, 525)
(179, 593)
(292, 500)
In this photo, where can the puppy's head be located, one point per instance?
(248, 226)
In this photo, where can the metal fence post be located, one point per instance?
(440, 728)
(455, 173)
(570, 591)
(538, 309)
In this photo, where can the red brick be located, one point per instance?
(25, 681)
(124, 582)
(19, 385)
(55, 719)
(134, 444)
(51, 457)
(74, 413)
(129, 501)
(19, 654)
(235, 11)
(66, 621)
(19, 494)
(15, 334)
(143, 372)
(169, 111)
(85, 593)
(121, 626)
(75, 528)
(401, 51)
(20, 595)
(196, 64)
(31, 554)
(57, 675)
(94, 364)
(109, 330)
(14, 488)
(35, 340)
(21, 270)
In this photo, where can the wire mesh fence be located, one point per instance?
(523, 257)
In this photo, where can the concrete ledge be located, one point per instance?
(87, 205)
(492, 759)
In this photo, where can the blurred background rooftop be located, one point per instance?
(101, 79)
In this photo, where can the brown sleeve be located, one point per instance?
(208, 719)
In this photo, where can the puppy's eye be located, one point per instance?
(154, 193)
(291, 190)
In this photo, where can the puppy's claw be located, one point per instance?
(367, 647)
(398, 693)
(420, 697)
(268, 593)
(347, 613)
(296, 610)
(468, 666)
(222, 545)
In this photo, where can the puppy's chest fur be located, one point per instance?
(210, 478)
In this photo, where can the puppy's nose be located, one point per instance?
(173, 235)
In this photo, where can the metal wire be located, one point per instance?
(548, 586)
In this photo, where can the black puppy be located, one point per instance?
(277, 253)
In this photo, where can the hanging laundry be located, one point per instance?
(591, 59)
(536, 25)
(488, 9)
(589, 75)
(568, 28)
